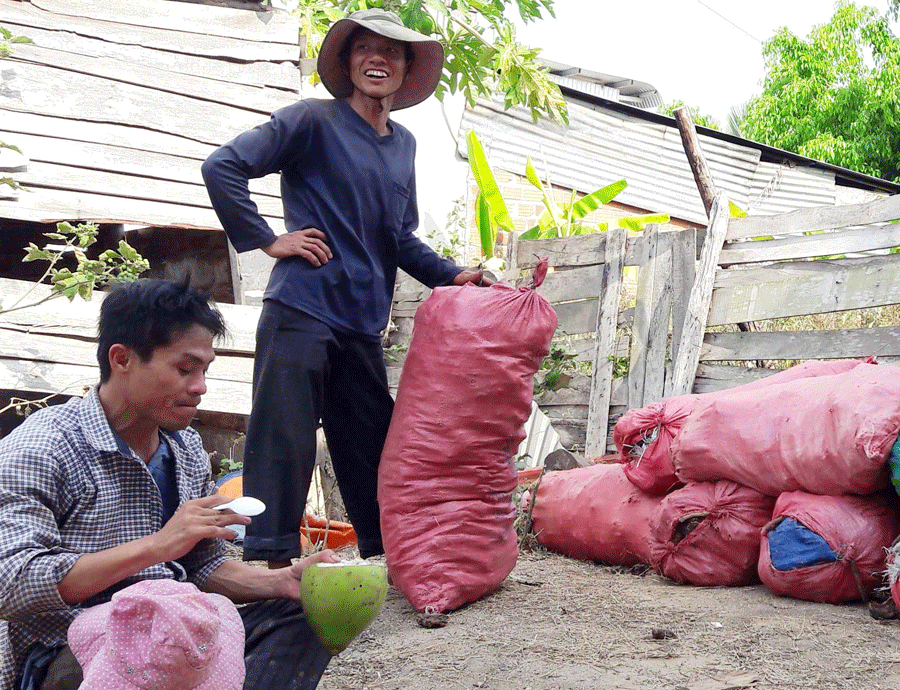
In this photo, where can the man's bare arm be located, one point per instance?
(193, 521)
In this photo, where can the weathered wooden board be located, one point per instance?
(78, 318)
(123, 136)
(14, 13)
(684, 251)
(646, 376)
(806, 246)
(90, 180)
(60, 349)
(11, 160)
(571, 284)
(50, 91)
(711, 378)
(577, 317)
(802, 345)
(208, 89)
(281, 75)
(276, 26)
(578, 250)
(72, 379)
(51, 348)
(804, 287)
(698, 312)
(815, 219)
(51, 205)
(600, 393)
(126, 161)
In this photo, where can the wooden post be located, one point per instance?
(643, 321)
(234, 265)
(695, 157)
(511, 274)
(607, 318)
(701, 295)
(684, 260)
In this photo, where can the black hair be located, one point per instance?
(148, 314)
(344, 55)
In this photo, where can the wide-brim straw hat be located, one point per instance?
(424, 72)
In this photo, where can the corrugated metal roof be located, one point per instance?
(782, 188)
(843, 176)
(636, 93)
(602, 145)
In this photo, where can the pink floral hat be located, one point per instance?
(160, 635)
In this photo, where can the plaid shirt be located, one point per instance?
(66, 489)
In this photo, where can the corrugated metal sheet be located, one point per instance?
(782, 188)
(601, 145)
(636, 93)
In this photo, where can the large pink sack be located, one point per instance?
(447, 471)
(644, 435)
(594, 513)
(708, 533)
(825, 435)
(857, 528)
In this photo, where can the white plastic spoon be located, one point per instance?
(243, 505)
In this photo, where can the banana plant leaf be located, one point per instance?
(498, 212)
(638, 223)
(574, 211)
(596, 199)
(486, 232)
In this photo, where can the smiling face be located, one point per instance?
(165, 390)
(376, 64)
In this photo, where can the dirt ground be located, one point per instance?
(566, 624)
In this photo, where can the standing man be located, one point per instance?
(348, 188)
(115, 488)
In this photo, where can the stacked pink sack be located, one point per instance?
(705, 472)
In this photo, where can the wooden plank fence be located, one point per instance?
(680, 314)
(676, 325)
(116, 105)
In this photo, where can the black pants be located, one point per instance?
(305, 372)
(281, 652)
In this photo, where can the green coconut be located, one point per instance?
(341, 599)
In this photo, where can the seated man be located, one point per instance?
(115, 488)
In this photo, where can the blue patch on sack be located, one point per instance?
(792, 545)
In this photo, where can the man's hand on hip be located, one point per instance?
(309, 243)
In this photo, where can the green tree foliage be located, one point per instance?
(122, 265)
(698, 118)
(483, 55)
(834, 96)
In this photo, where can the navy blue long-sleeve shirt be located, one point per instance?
(340, 176)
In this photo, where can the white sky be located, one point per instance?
(707, 53)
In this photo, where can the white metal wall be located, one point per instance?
(601, 145)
